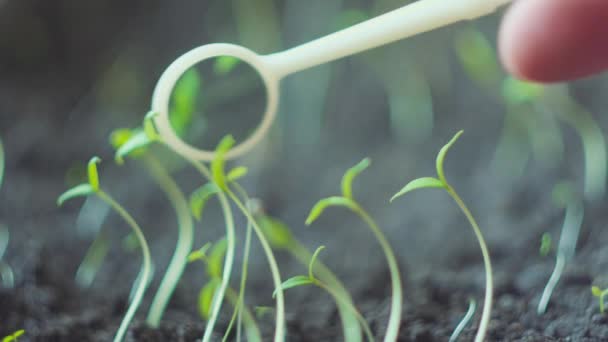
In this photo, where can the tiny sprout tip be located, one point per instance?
(441, 156)
(92, 172)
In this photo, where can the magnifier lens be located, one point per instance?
(218, 96)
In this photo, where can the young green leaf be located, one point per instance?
(596, 291)
(441, 157)
(199, 254)
(311, 265)
(134, 146)
(299, 280)
(545, 244)
(205, 298)
(81, 190)
(420, 183)
(199, 198)
(217, 165)
(323, 204)
(14, 336)
(184, 99)
(225, 64)
(236, 173)
(92, 172)
(120, 136)
(278, 233)
(349, 176)
(216, 257)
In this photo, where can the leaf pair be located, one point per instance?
(302, 280)
(346, 200)
(430, 182)
(213, 262)
(84, 189)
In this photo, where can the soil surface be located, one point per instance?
(56, 117)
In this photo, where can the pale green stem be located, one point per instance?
(251, 328)
(565, 250)
(487, 305)
(228, 260)
(279, 335)
(346, 303)
(236, 316)
(184, 239)
(392, 330)
(602, 296)
(7, 276)
(302, 254)
(463, 323)
(560, 263)
(146, 263)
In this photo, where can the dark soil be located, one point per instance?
(50, 117)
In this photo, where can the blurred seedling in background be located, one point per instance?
(311, 279)
(442, 183)
(546, 244)
(600, 294)
(347, 200)
(464, 321)
(135, 144)
(281, 238)
(90, 188)
(14, 337)
(6, 272)
(564, 197)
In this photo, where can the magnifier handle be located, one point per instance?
(412, 19)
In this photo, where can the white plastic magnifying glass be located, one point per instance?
(418, 17)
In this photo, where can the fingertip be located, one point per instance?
(554, 40)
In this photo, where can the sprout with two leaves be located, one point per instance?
(442, 183)
(347, 200)
(92, 188)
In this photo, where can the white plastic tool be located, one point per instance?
(418, 17)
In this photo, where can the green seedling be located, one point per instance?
(566, 198)
(151, 133)
(311, 279)
(301, 280)
(442, 183)
(559, 103)
(280, 237)
(600, 294)
(347, 200)
(221, 180)
(135, 144)
(465, 320)
(92, 188)
(211, 256)
(14, 337)
(546, 244)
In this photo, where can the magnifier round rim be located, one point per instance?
(167, 81)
